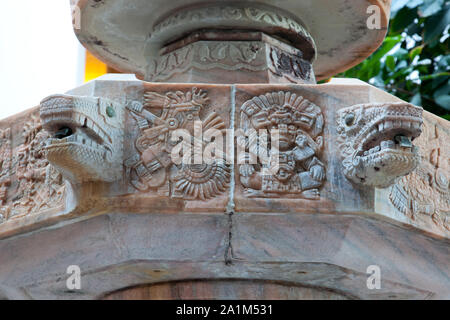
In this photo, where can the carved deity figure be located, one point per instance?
(291, 166)
(153, 167)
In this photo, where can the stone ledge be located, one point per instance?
(337, 194)
(328, 252)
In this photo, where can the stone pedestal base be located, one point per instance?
(246, 58)
(133, 218)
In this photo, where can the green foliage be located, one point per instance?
(414, 61)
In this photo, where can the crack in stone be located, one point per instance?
(229, 254)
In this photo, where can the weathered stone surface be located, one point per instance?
(31, 189)
(105, 243)
(128, 232)
(347, 241)
(314, 180)
(239, 57)
(327, 253)
(423, 197)
(284, 189)
(131, 45)
(235, 289)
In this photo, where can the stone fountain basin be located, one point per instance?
(120, 32)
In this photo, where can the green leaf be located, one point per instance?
(402, 73)
(363, 74)
(416, 28)
(388, 44)
(434, 76)
(375, 69)
(401, 65)
(444, 63)
(415, 52)
(390, 63)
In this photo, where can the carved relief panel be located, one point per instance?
(174, 130)
(148, 150)
(280, 150)
(28, 183)
(209, 55)
(259, 60)
(424, 195)
(174, 148)
(280, 146)
(5, 175)
(144, 146)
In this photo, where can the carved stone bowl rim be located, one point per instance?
(117, 31)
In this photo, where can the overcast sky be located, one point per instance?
(39, 53)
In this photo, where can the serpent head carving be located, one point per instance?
(375, 142)
(86, 141)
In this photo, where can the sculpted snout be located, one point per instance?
(376, 142)
(86, 141)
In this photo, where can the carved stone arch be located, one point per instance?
(226, 289)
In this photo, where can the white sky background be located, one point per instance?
(39, 53)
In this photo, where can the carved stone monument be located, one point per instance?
(219, 169)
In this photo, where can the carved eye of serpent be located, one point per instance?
(350, 119)
(110, 112)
